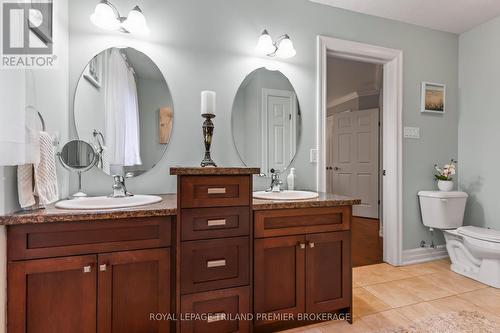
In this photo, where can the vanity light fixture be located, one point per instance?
(106, 16)
(282, 47)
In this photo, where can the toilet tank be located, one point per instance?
(442, 210)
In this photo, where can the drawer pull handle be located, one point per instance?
(103, 267)
(213, 223)
(87, 269)
(216, 190)
(216, 263)
(216, 317)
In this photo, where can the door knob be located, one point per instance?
(336, 168)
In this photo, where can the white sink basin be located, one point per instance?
(107, 202)
(285, 195)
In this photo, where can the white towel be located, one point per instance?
(45, 172)
(45, 189)
(105, 160)
(25, 185)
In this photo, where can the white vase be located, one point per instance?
(445, 185)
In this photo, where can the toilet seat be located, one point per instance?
(482, 234)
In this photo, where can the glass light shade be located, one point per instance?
(136, 22)
(286, 49)
(104, 17)
(265, 45)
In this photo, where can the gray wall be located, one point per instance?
(210, 45)
(479, 121)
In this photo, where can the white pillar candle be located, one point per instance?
(208, 102)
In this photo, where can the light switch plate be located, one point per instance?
(412, 132)
(313, 156)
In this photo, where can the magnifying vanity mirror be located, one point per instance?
(78, 156)
(266, 120)
(123, 106)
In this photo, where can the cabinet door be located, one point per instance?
(52, 295)
(133, 285)
(328, 272)
(279, 276)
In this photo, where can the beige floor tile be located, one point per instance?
(423, 288)
(487, 299)
(427, 268)
(385, 320)
(418, 311)
(454, 282)
(393, 294)
(365, 303)
(453, 304)
(379, 273)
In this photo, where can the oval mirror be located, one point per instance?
(266, 120)
(124, 107)
(78, 155)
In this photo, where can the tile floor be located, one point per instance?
(385, 297)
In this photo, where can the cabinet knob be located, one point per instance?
(301, 245)
(311, 244)
(103, 267)
(87, 269)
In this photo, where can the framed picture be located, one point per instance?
(433, 97)
(93, 71)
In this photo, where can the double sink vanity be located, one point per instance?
(209, 259)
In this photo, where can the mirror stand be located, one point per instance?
(80, 193)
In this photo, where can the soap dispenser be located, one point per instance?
(290, 179)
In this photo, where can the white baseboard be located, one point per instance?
(422, 254)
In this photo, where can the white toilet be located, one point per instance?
(474, 251)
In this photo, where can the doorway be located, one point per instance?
(390, 133)
(353, 147)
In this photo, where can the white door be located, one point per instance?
(330, 125)
(279, 129)
(355, 163)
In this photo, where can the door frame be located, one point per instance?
(266, 92)
(392, 155)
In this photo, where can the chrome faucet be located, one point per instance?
(119, 188)
(276, 182)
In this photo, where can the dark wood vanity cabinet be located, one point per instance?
(214, 249)
(111, 278)
(304, 270)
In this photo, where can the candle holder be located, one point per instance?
(208, 132)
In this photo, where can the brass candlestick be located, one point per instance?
(208, 132)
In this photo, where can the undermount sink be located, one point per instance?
(108, 202)
(285, 195)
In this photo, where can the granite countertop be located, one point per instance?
(166, 207)
(324, 200)
(199, 171)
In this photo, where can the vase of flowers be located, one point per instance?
(444, 175)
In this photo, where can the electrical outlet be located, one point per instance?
(313, 156)
(412, 132)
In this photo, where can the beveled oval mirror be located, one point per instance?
(123, 106)
(266, 120)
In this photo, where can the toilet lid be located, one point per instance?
(489, 235)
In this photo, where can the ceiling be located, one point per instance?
(454, 16)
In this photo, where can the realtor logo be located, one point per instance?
(27, 34)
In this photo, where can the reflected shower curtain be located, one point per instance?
(121, 112)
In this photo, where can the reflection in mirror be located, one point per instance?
(266, 120)
(124, 107)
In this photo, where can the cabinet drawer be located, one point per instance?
(215, 191)
(72, 238)
(206, 223)
(214, 264)
(216, 309)
(282, 222)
